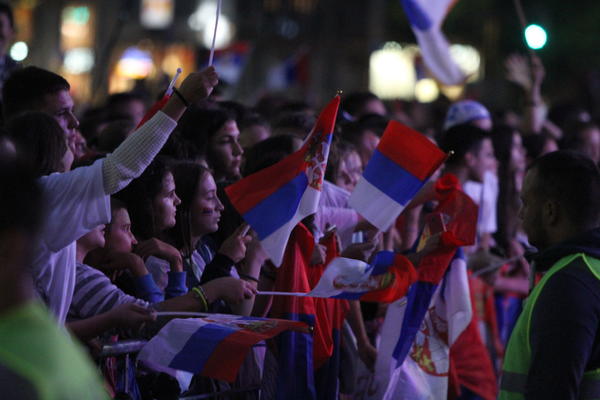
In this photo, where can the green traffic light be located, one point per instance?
(535, 36)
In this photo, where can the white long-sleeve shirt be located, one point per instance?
(78, 201)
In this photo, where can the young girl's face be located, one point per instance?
(165, 204)
(118, 235)
(206, 207)
(349, 172)
(227, 151)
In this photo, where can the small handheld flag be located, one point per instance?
(275, 199)
(399, 167)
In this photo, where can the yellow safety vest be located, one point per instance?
(518, 353)
(33, 346)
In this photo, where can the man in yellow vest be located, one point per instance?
(554, 350)
(37, 359)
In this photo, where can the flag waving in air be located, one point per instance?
(426, 18)
(399, 167)
(275, 199)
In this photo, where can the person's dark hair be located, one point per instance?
(268, 152)
(462, 139)
(238, 110)
(573, 180)
(534, 145)
(115, 101)
(297, 123)
(199, 125)
(6, 9)
(21, 207)
(187, 176)
(139, 197)
(25, 89)
(113, 134)
(354, 131)
(508, 193)
(40, 140)
(354, 102)
(572, 138)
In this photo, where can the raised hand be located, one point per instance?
(199, 85)
(234, 246)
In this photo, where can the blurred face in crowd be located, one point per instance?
(481, 160)
(165, 204)
(349, 171)
(483, 123)
(590, 140)
(118, 235)
(226, 152)
(366, 147)
(253, 134)
(94, 239)
(206, 207)
(60, 106)
(374, 106)
(7, 33)
(517, 153)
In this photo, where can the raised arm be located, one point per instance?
(132, 157)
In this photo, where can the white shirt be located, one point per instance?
(486, 196)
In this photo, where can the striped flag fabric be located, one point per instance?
(385, 280)
(426, 18)
(273, 200)
(399, 167)
(213, 346)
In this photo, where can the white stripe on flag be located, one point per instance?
(275, 243)
(377, 207)
(162, 348)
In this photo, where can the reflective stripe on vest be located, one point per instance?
(518, 352)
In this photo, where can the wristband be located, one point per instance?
(248, 278)
(198, 293)
(183, 100)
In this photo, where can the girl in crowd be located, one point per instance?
(152, 203)
(215, 136)
(199, 215)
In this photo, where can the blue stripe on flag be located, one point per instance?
(277, 209)
(418, 300)
(416, 16)
(199, 347)
(391, 179)
(382, 262)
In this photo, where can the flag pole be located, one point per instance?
(169, 90)
(212, 47)
(267, 293)
(523, 22)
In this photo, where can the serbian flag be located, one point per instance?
(214, 346)
(419, 329)
(275, 199)
(426, 18)
(385, 280)
(399, 167)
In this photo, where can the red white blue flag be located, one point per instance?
(426, 18)
(275, 199)
(214, 346)
(386, 279)
(399, 167)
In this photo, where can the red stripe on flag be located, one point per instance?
(228, 356)
(411, 150)
(246, 193)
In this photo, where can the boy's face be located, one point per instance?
(482, 160)
(59, 105)
(118, 236)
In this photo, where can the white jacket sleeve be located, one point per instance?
(136, 152)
